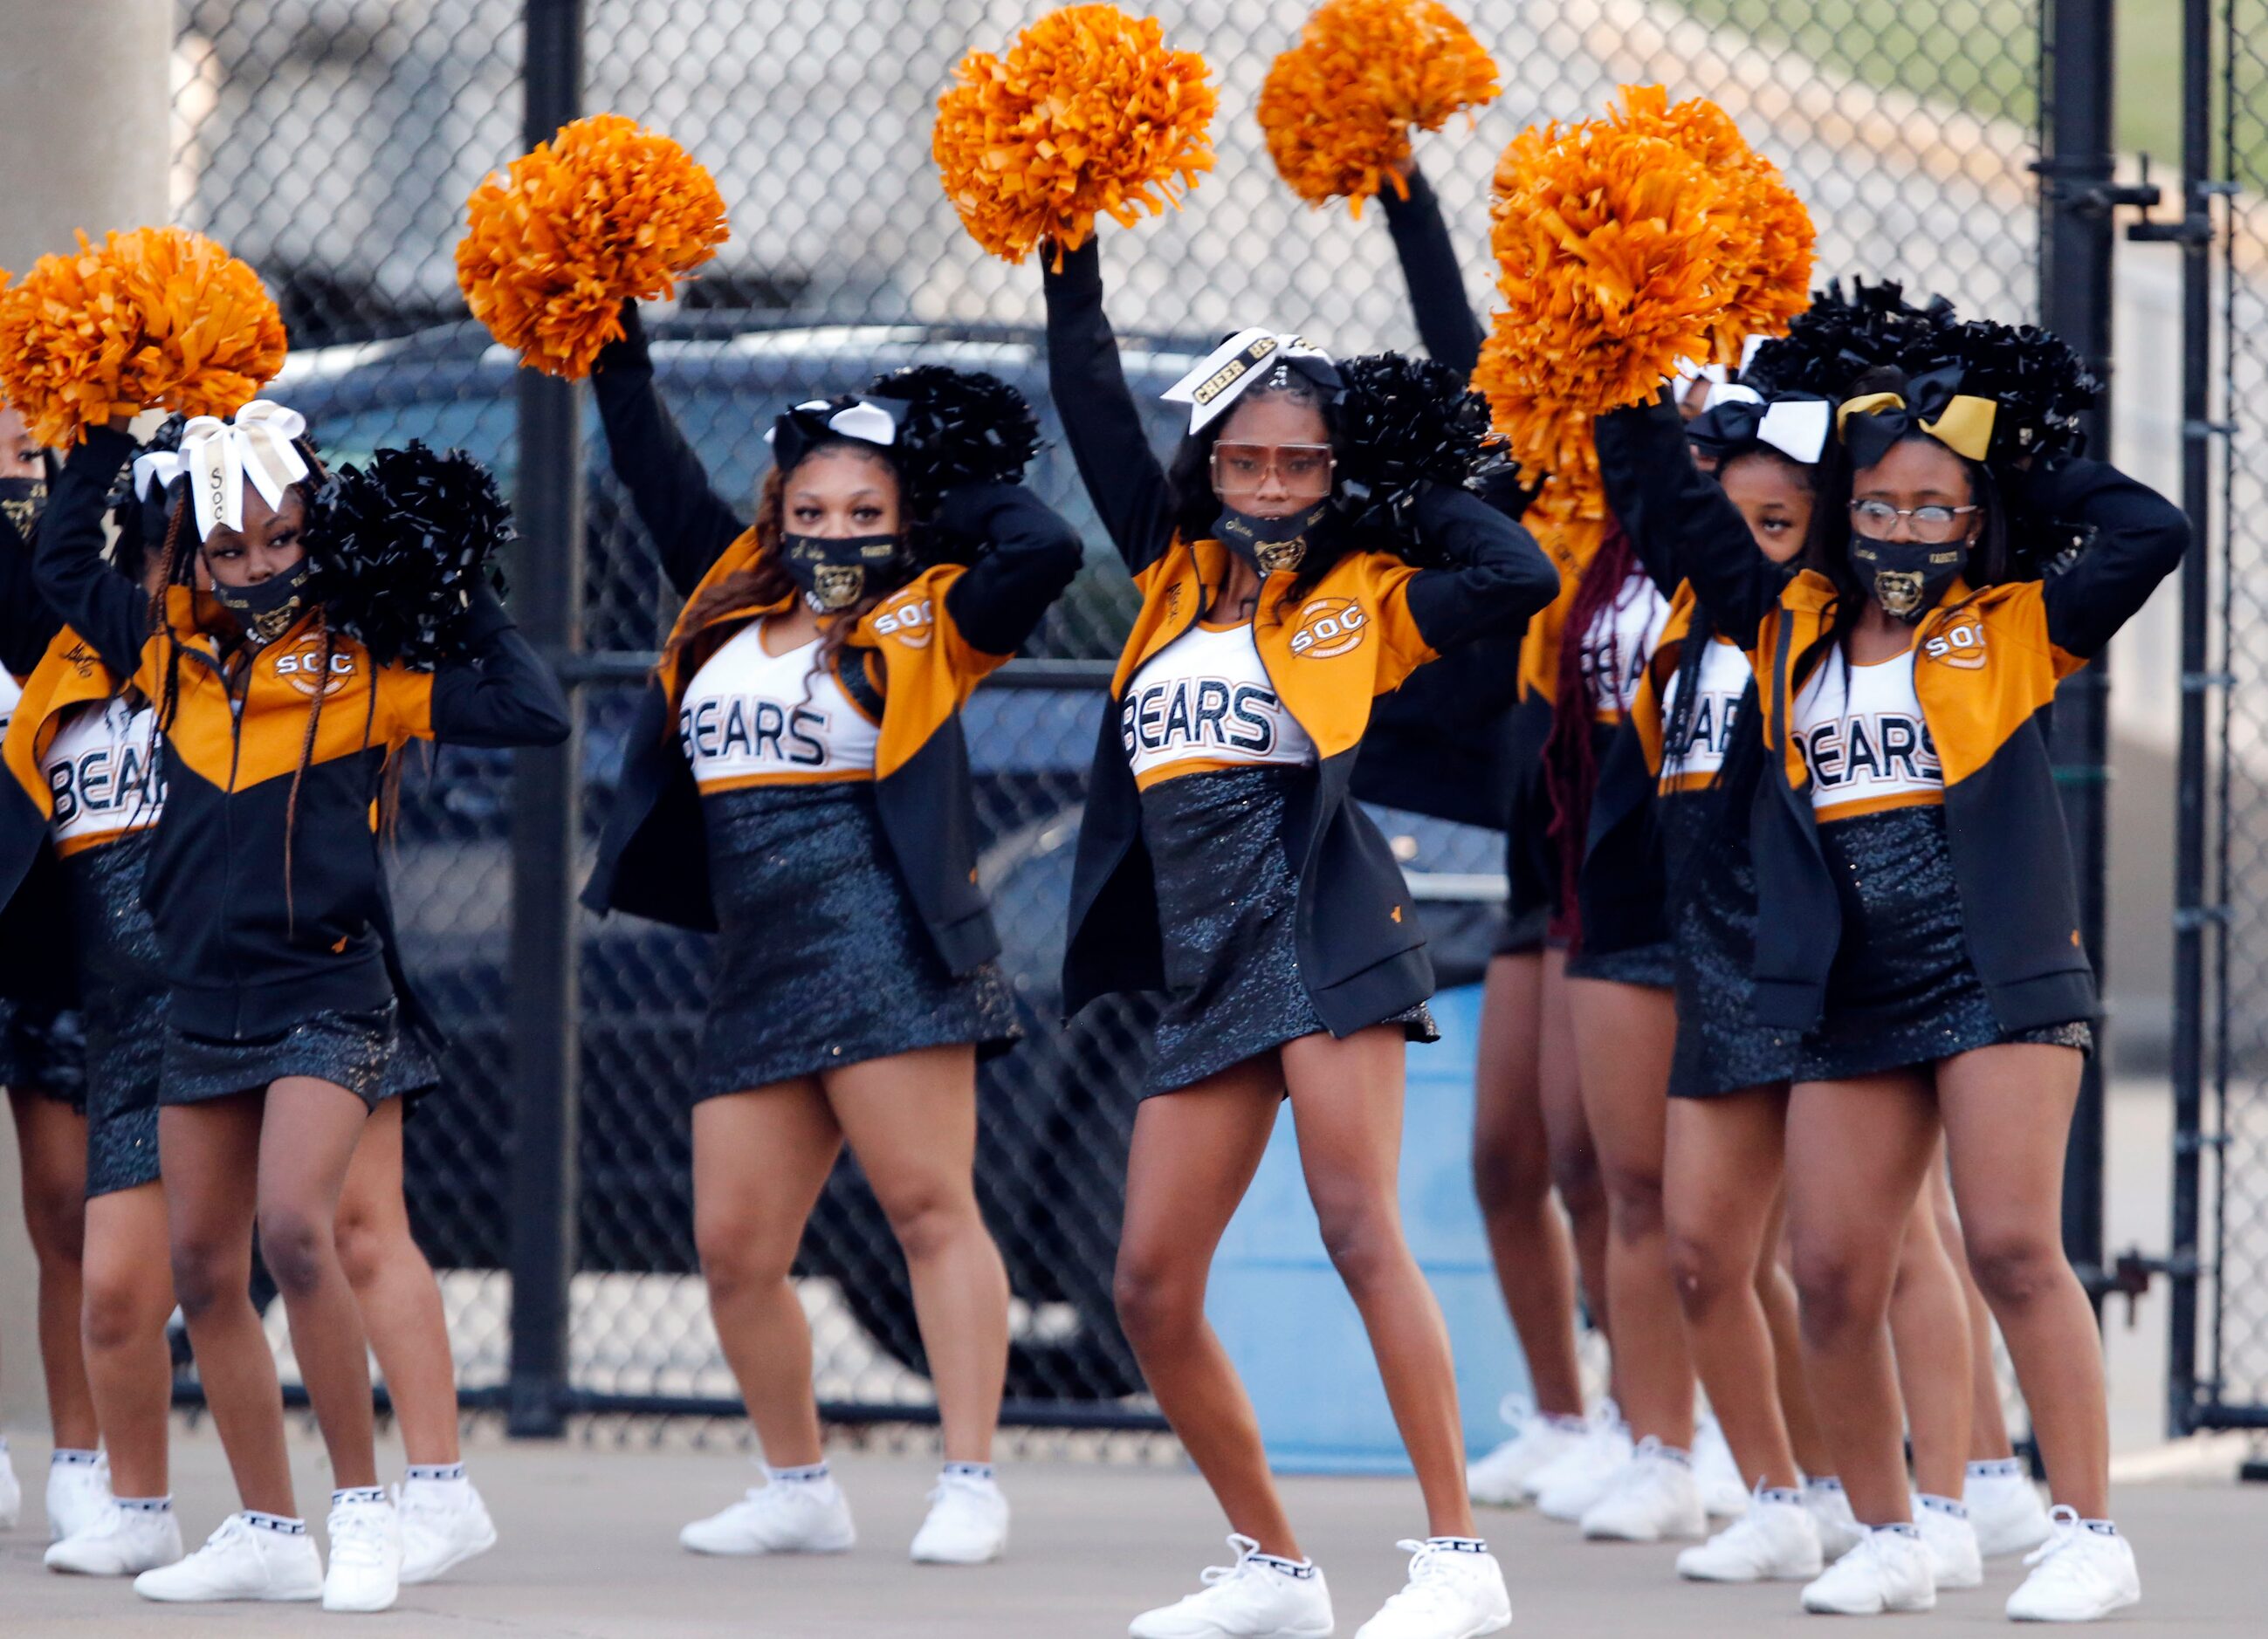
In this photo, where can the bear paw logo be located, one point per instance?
(1328, 626)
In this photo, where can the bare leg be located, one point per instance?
(1192, 1159)
(1856, 1153)
(1776, 1291)
(1626, 1035)
(129, 1293)
(394, 1286)
(760, 1159)
(1346, 1099)
(209, 1150)
(1929, 1332)
(1528, 1241)
(2008, 1116)
(51, 1140)
(911, 1120)
(1574, 1157)
(1988, 1422)
(1721, 1191)
(307, 1135)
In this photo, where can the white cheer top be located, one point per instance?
(1614, 651)
(106, 775)
(753, 718)
(1718, 691)
(1861, 733)
(1204, 702)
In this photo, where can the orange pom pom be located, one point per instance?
(1087, 114)
(158, 316)
(605, 212)
(1609, 244)
(1337, 107)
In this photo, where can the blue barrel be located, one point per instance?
(1291, 1327)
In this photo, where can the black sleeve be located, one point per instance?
(28, 622)
(1122, 474)
(1497, 576)
(85, 592)
(1030, 555)
(690, 523)
(2136, 539)
(1429, 264)
(498, 692)
(1679, 521)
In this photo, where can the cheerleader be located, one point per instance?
(41, 1060)
(267, 898)
(86, 757)
(799, 782)
(1220, 862)
(1917, 911)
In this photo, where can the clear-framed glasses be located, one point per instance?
(1929, 524)
(1303, 469)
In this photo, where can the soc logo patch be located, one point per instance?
(909, 621)
(301, 665)
(1961, 645)
(1328, 626)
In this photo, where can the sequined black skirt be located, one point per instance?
(350, 1050)
(1228, 888)
(122, 1000)
(823, 960)
(1721, 1046)
(1903, 990)
(43, 1050)
(1654, 965)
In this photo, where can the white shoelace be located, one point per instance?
(234, 1527)
(359, 1534)
(1431, 1580)
(2064, 1533)
(1517, 1410)
(1214, 1576)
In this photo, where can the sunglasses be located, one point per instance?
(1301, 468)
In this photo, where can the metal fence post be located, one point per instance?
(546, 801)
(2075, 302)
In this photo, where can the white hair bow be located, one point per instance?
(217, 456)
(1797, 427)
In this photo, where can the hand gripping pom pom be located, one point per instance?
(400, 548)
(1404, 421)
(959, 427)
(1087, 114)
(157, 316)
(605, 212)
(1337, 107)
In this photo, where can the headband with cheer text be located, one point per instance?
(1243, 361)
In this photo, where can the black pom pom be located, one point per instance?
(1403, 421)
(959, 427)
(399, 550)
(2041, 384)
(1838, 339)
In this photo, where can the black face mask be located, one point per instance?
(1270, 544)
(835, 573)
(1909, 576)
(21, 502)
(266, 609)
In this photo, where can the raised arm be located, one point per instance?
(1108, 440)
(1429, 265)
(1030, 556)
(84, 590)
(2138, 537)
(1679, 521)
(1497, 576)
(28, 624)
(690, 523)
(498, 692)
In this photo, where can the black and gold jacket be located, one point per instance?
(266, 910)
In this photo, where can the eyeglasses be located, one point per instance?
(1931, 524)
(1301, 468)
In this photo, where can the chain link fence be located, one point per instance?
(332, 142)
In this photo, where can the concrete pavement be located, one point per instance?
(589, 1550)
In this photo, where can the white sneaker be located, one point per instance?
(1888, 1571)
(1567, 1488)
(1453, 1593)
(2006, 1511)
(365, 1573)
(967, 1523)
(76, 1494)
(1499, 1480)
(1655, 1496)
(1246, 1600)
(1954, 1560)
(2078, 1575)
(1840, 1530)
(1724, 1489)
(11, 1491)
(444, 1524)
(120, 1542)
(781, 1517)
(1774, 1541)
(239, 1560)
